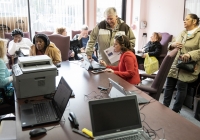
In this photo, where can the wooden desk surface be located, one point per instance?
(83, 83)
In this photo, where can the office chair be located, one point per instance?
(44, 32)
(9, 37)
(159, 79)
(62, 43)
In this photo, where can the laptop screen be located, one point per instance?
(114, 115)
(62, 96)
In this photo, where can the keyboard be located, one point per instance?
(41, 112)
(129, 137)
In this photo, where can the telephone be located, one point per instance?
(143, 24)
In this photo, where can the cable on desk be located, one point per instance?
(153, 131)
(94, 97)
(147, 103)
(53, 127)
(144, 117)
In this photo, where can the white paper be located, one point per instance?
(112, 55)
(25, 51)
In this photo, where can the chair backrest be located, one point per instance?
(166, 38)
(8, 35)
(75, 32)
(44, 32)
(78, 32)
(62, 43)
(161, 76)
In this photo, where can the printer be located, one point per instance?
(34, 76)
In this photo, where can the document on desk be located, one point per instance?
(112, 55)
(25, 51)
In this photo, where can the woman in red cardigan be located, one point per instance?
(127, 67)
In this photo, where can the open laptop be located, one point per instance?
(91, 64)
(119, 91)
(115, 118)
(46, 111)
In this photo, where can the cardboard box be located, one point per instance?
(7, 24)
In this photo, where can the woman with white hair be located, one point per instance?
(105, 32)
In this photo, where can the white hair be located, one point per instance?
(110, 11)
(84, 27)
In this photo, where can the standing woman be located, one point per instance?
(189, 49)
(5, 78)
(43, 46)
(127, 67)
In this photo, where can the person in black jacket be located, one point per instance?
(153, 48)
(83, 38)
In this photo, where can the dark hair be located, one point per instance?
(43, 37)
(194, 16)
(17, 32)
(124, 42)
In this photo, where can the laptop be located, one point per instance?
(91, 64)
(116, 118)
(46, 111)
(119, 91)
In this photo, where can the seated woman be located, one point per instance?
(83, 38)
(5, 74)
(62, 31)
(43, 46)
(127, 67)
(18, 42)
(153, 48)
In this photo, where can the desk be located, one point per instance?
(84, 82)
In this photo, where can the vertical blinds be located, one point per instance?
(192, 6)
(44, 15)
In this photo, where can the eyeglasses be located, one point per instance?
(118, 36)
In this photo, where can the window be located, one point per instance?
(103, 4)
(13, 14)
(192, 6)
(50, 14)
(44, 15)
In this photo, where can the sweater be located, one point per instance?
(127, 68)
(5, 77)
(13, 47)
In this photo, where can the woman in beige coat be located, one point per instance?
(43, 46)
(189, 49)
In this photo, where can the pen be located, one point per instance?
(80, 133)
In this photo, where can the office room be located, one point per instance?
(40, 20)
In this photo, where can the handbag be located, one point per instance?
(151, 64)
(187, 66)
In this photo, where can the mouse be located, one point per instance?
(72, 118)
(37, 132)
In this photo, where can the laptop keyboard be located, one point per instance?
(129, 137)
(42, 112)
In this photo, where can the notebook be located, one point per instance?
(91, 64)
(119, 91)
(115, 118)
(46, 111)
